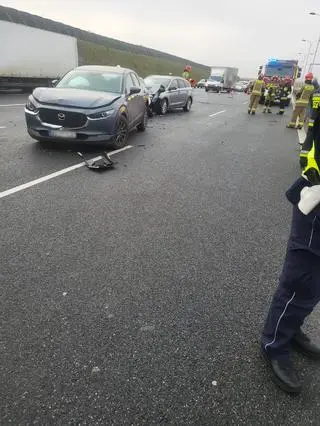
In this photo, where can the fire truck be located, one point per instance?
(280, 71)
(282, 68)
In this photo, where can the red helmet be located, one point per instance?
(309, 76)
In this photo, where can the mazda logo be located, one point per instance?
(61, 116)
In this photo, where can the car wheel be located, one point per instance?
(143, 125)
(121, 133)
(164, 107)
(207, 90)
(149, 110)
(187, 106)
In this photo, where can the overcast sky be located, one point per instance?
(233, 33)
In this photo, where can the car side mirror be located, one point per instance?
(134, 90)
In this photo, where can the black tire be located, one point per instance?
(207, 90)
(121, 133)
(164, 107)
(149, 110)
(188, 105)
(143, 125)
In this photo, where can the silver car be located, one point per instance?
(169, 92)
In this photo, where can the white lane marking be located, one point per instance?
(301, 135)
(2, 127)
(217, 113)
(55, 174)
(12, 105)
(245, 102)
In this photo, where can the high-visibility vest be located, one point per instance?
(312, 161)
(284, 93)
(257, 88)
(305, 95)
(316, 100)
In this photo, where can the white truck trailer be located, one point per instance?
(221, 78)
(31, 57)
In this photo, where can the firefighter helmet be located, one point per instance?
(309, 76)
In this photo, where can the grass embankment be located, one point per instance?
(96, 54)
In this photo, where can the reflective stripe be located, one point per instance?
(305, 95)
(312, 163)
(278, 323)
(257, 87)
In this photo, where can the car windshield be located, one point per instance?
(280, 71)
(96, 81)
(215, 78)
(155, 82)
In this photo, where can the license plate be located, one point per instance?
(62, 134)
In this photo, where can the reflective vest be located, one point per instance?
(284, 94)
(315, 102)
(257, 88)
(305, 95)
(312, 169)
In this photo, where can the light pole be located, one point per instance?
(318, 43)
(308, 54)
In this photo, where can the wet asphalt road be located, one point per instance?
(136, 297)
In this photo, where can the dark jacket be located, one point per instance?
(305, 229)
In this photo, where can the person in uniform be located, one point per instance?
(256, 92)
(269, 98)
(284, 92)
(302, 101)
(298, 291)
(314, 113)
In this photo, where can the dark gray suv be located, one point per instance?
(169, 93)
(91, 104)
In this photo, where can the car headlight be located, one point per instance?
(31, 106)
(101, 115)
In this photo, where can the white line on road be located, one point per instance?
(245, 102)
(217, 113)
(2, 127)
(12, 105)
(55, 174)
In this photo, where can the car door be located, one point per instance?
(131, 102)
(140, 98)
(183, 91)
(173, 93)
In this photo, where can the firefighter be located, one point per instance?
(298, 291)
(284, 92)
(314, 113)
(186, 72)
(302, 101)
(272, 87)
(256, 92)
(269, 99)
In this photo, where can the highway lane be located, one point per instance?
(137, 296)
(22, 159)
